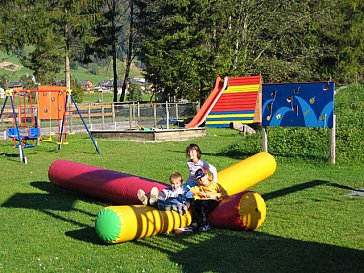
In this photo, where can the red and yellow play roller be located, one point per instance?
(114, 224)
(246, 173)
(245, 210)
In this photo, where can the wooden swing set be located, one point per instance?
(52, 105)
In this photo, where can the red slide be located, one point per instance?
(220, 86)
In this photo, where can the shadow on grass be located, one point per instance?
(57, 199)
(233, 251)
(336, 185)
(10, 155)
(239, 251)
(54, 199)
(13, 157)
(293, 188)
(86, 234)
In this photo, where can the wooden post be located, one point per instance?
(70, 112)
(135, 116)
(103, 116)
(332, 142)
(89, 113)
(113, 112)
(155, 114)
(176, 111)
(264, 139)
(130, 115)
(138, 108)
(167, 115)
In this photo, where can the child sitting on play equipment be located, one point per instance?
(175, 197)
(207, 196)
(193, 152)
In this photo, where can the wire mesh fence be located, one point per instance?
(96, 116)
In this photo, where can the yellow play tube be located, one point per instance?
(246, 173)
(117, 224)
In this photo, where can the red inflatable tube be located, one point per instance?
(108, 185)
(245, 210)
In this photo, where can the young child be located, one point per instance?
(207, 196)
(195, 162)
(175, 197)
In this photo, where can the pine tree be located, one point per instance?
(53, 30)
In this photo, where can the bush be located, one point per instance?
(135, 92)
(349, 107)
(77, 91)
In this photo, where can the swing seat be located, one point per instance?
(33, 133)
(15, 134)
(46, 139)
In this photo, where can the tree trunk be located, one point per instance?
(67, 59)
(67, 68)
(130, 52)
(114, 51)
(115, 81)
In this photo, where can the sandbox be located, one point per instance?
(152, 134)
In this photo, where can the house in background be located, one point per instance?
(108, 86)
(86, 85)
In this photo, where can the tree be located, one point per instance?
(351, 42)
(282, 40)
(117, 38)
(186, 44)
(111, 32)
(135, 92)
(173, 46)
(129, 55)
(52, 30)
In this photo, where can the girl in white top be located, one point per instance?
(195, 162)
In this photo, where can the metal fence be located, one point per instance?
(113, 116)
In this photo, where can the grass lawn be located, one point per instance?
(97, 97)
(105, 97)
(312, 225)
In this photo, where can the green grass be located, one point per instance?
(96, 96)
(311, 225)
(106, 97)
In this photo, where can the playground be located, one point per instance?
(313, 221)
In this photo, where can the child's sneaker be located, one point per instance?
(183, 231)
(193, 226)
(204, 228)
(142, 197)
(153, 198)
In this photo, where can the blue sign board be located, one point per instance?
(298, 104)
